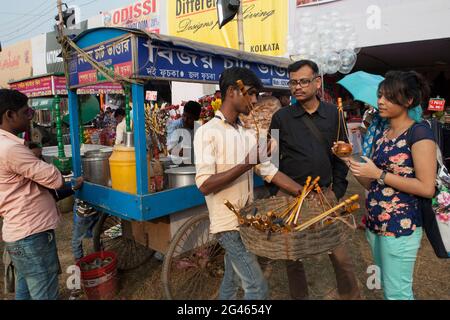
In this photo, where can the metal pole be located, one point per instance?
(63, 163)
(240, 21)
(323, 85)
(60, 22)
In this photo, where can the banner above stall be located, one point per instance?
(51, 85)
(138, 55)
(43, 86)
(176, 63)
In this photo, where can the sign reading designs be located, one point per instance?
(143, 14)
(197, 20)
(193, 66)
(115, 55)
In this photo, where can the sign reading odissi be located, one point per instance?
(143, 14)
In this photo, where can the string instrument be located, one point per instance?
(288, 219)
(342, 149)
(244, 92)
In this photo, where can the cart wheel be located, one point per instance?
(108, 237)
(194, 264)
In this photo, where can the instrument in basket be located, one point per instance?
(244, 92)
(288, 217)
(286, 228)
(343, 149)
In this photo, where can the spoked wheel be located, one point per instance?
(108, 236)
(193, 266)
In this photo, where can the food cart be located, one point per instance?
(173, 222)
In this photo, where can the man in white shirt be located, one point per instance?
(180, 133)
(119, 115)
(225, 172)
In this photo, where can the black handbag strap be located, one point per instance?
(315, 131)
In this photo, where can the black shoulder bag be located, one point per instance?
(316, 133)
(429, 222)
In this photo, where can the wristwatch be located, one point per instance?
(380, 180)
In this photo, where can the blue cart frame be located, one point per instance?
(143, 56)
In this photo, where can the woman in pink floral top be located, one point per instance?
(402, 168)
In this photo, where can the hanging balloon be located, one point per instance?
(353, 36)
(323, 69)
(352, 41)
(308, 30)
(321, 24)
(302, 51)
(333, 62)
(325, 17)
(314, 49)
(302, 56)
(306, 22)
(345, 69)
(351, 45)
(325, 33)
(304, 14)
(349, 28)
(326, 46)
(321, 60)
(301, 48)
(348, 57)
(339, 42)
(334, 16)
(338, 26)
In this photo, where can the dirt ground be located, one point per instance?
(431, 277)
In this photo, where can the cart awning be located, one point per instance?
(134, 54)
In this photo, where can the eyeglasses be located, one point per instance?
(302, 82)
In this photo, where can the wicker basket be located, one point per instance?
(293, 245)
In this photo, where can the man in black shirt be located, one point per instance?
(307, 131)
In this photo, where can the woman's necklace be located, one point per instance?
(394, 134)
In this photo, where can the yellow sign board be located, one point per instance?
(265, 24)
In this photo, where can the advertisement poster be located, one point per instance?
(304, 3)
(15, 62)
(198, 21)
(143, 14)
(35, 87)
(41, 87)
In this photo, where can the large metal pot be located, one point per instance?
(49, 153)
(96, 167)
(181, 176)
